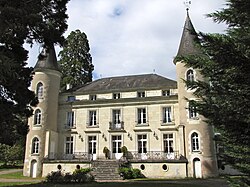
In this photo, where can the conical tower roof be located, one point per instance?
(47, 59)
(187, 45)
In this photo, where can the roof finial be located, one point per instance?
(187, 4)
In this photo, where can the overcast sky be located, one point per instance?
(129, 37)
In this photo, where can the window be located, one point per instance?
(116, 116)
(39, 90)
(69, 145)
(192, 110)
(116, 95)
(92, 97)
(167, 115)
(71, 98)
(142, 143)
(190, 75)
(141, 94)
(142, 117)
(195, 142)
(70, 119)
(168, 143)
(92, 118)
(165, 92)
(116, 144)
(37, 117)
(92, 144)
(35, 146)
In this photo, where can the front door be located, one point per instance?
(116, 146)
(197, 168)
(92, 147)
(33, 169)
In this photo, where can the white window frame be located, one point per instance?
(142, 143)
(35, 145)
(168, 142)
(190, 75)
(195, 142)
(167, 114)
(38, 117)
(116, 95)
(142, 115)
(141, 94)
(70, 119)
(69, 145)
(92, 118)
(116, 116)
(39, 90)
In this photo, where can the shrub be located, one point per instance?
(130, 173)
(80, 175)
(55, 177)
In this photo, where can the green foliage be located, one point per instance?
(22, 20)
(76, 61)
(10, 155)
(225, 92)
(79, 176)
(130, 173)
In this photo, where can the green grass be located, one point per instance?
(16, 183)
(16, 175)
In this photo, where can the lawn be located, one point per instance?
(16, 175)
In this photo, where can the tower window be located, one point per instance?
(190, 75)
(195, 143)
(39, 90)
(192, 110)
(35, 146)
(37, 117)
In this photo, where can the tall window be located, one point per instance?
(195, 142)
(37, 117)
(167, 118)
(142, 143)
(39, 90)
(116, 144)
(69, 145)
(116, 116)
(141, 94)
(142, 116)
(92, 118)
(192, 110)
(92, 144)
(70, 119)
(190, 75)
(35, 146)
(168, 143)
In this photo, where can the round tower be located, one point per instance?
(198, 135)
(42, 136)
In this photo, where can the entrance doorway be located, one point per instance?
(33, 172)
(92, 147)
(197, 168)
(116, 146)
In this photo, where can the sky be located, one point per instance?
(130, 37)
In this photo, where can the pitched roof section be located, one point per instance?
(187, 45)
(127, 83)
(47, 60)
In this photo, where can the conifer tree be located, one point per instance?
(225, 91)
(76, 62)
(23, 20)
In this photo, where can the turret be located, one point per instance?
(198, 135)
(42, 136)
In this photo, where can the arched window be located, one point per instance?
(39, 90)
(35, 146)
(190, 75)
(195, 142)
(37, 117)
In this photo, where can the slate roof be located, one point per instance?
(126, 83)
(47, 60)
(187, 45)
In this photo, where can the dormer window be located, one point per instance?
(116, 95)
(141, 94)
(71, 98)
(165, 92)
(190, 75)
(92, 97)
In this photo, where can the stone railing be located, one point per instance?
(153, 155)
(64, 156)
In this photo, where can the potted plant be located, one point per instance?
(106, 152)
(124, 150)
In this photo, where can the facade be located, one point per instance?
(149, 114)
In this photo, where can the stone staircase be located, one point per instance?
(106, 170)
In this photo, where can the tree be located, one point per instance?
(31, 21)
(76, 62)
(225, 91)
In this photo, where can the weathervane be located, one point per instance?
(187, 4)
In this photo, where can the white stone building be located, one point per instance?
(149, 114)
